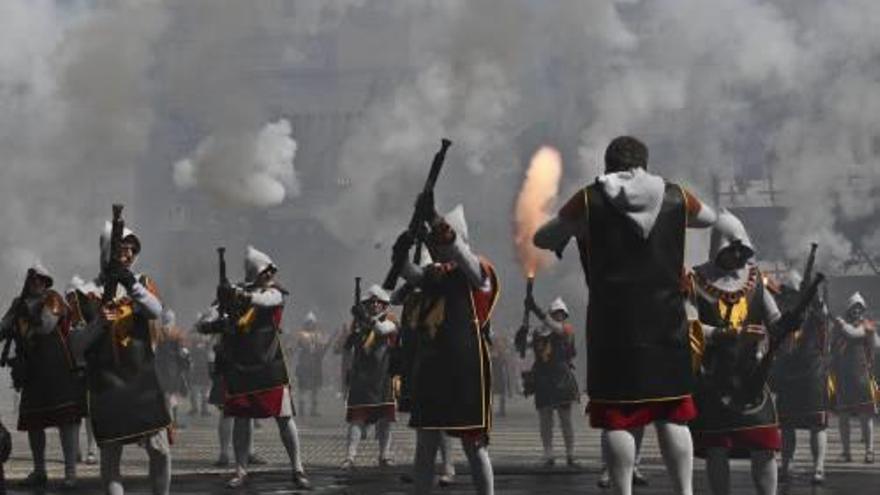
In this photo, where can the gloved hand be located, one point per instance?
(123, 276)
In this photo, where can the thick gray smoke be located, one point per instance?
(217, 96)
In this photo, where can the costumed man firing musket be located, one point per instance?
(126, 404)
(630, 227)
(800, 376)
(251, 361)
(451, 373)
(736, 313)
(555, 386)
(854, 344)
(370, 397)
(43, 369)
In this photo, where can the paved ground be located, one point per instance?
(515, 451)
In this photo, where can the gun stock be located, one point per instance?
(416, 221)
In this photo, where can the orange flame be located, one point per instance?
(538, 193)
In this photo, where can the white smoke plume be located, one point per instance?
(254, 169)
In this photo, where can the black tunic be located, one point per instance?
(125, 399)
(800, 372)
(53, 392)
(451, 370)
(637, 331)
(727, 360)
(369, 382)
(854, 378)
(555, 383)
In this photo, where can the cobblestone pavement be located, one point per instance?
(515, 450)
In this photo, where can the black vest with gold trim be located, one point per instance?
(637, 333)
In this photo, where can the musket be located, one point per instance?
(783, 327)
(808, 270)
(110, 283)
(224, 305)
(355, 335)
(417, 221)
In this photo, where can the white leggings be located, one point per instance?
(818, 447)
(545, 417)
(676, 448)
(242, 436)
(159, 452)
(427, 444)
(356, 431)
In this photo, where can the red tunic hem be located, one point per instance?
(371, 414)
(739, 442)
(265, 404)
(628, 416)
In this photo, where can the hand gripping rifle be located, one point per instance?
(788, 323)
(418, 219)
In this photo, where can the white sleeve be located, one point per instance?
(267, 298)
(48, 321)
(467, 261)
(555, 326)
(771, 309)
(147, 303)
(851, 331)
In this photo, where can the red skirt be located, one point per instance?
(370, 414)
(628, 416)
(270, 403)
(739, 442)
(477, 436)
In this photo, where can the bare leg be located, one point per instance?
(718, 470)
(764, 471)
(427, 443)
(678, 454)
(481, 467)
(545, 418)
(619, 447)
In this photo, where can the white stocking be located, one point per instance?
(383, 432)
(481, 467)
(355, 430)
(290, 439)
(619, 447)
(868, 432)
(567, 429)
(819, 448)
(224, 435)
(545, 417)
(678, 454)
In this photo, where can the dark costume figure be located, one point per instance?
(126, 404)
(173, 364)
(450, 377)
(52, 393)
(199, 375)
(734, 309)
(309, 348)
(251, 362)
(800, 381)
(5, 450)
(555, 385)
(72, 294)
(854, 344)
(370, 396)
(630, 227)
(503, 371)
